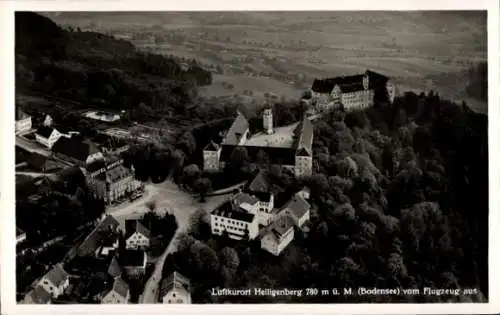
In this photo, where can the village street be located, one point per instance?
(167, 197)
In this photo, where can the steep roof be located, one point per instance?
(175, 281)
(38, 296)
(95, 166)
(306, 137)
(132, 258)
(95, 238)
(237, 129)
(241, 197)
(57, 275)
(226, 210)
(260, 183)
(132, 226)
(117, 173)
(20, 114)
(75, 148)
(121, 287)
(114, 269)
(19, 232)
(211, 146)
(297, 206)
(45, 131)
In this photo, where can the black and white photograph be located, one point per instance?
(251, 157)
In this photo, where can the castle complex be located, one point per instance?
(288, 146)
(352, 92)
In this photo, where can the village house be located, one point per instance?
(298, 209)
(76, 151)
(288, 146)
(136, 235)
(109, 180)
(108, 226)
(55, 281)
(236, 221)
(119, 293)
(23, 121)
(352, 92)
(47, 136)
(37, 296)
(109, 246)
(133, 262)
(114, 269)
(20, 236)
(279, 234)
(175, 289)
(260, 204)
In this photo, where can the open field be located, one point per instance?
(282, 52)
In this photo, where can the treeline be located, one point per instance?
(41, 209)
(399, 199)
(98, 69)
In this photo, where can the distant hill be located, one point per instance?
(91, 67)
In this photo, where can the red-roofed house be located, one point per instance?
(119, 293)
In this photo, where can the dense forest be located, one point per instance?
(400, 199)
(97, 69)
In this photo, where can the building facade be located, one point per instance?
(237, 222)
(136, 235)
(298, 209)
(119, 293)
(47, 136)
(352, 92)
(278, 236)
(175, 289)
(258, 204)
(23, 121)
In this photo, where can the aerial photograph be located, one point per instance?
(248, 157)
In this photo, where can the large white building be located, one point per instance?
(47, 136)
(288, 146)
(237, 222)
(259, 204)
(352, 92)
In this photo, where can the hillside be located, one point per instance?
(98, 69)
(281, 52)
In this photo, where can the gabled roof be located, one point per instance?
(211, 146)
(262, 196)
(241, 197)
(45, 131)
(19, 232)
(95, 166)
(175, 281)
(117, 173)
(95, 238)
(20, 114)
(75, 148)
(121, 287)
(57, 275)
(132, 258)
(226, 210)
(114, 269)
(133, 226)
(260, 183)
(38, 296)
(237, 129)
(304, 146)
(297, 206)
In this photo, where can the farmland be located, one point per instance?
(281, 52)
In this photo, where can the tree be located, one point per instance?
(229, 258)
(238, 158)
(202, 186)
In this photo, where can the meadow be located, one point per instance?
(282, 52)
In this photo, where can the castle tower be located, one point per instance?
(267, 119)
